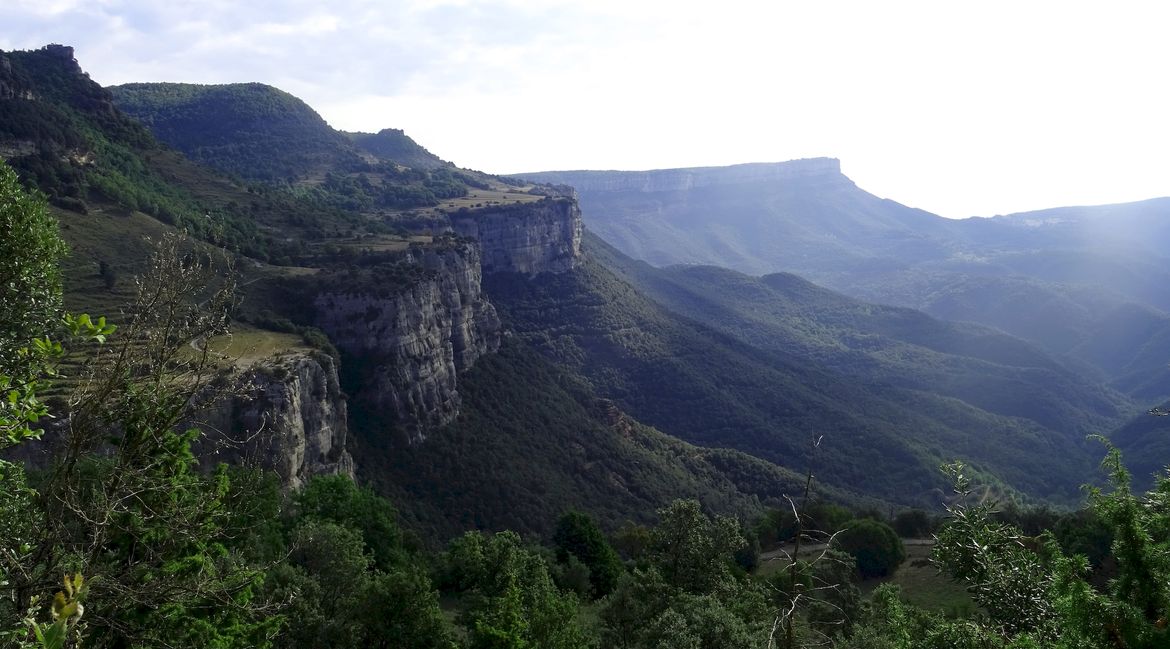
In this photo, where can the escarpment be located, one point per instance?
(411, 340)
(289, 416)
(674, 180)
(531, 238)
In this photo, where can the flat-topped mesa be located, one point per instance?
(411, 343)
(666, 180)
(528, 238)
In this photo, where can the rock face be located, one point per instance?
(291, 418)
(666, 180)
(530, 238)
(414, 341)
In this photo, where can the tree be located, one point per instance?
(30, 305)
(512, 600)
(340, 599)
(337, 499)
(30, 279)
(687, 593)
(913, 524)
(873, 544)
(122, 502)
(692, 551)
(578, 535)
(1036, 595)
(30, 310)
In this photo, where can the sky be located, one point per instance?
(960, 108)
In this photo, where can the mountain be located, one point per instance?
(260, 133)
(803, 216)
(251, 130)
(1086, 284)
(394, 145)
(895, 393)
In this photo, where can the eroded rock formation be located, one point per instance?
(415, 340)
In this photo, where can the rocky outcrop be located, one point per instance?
(288, 415)
(413, 341)
(529, 238)
(666, 180)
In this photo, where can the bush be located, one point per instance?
(874, 545)
(913, 524)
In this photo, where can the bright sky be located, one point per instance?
(961, 108)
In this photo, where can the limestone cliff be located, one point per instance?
(668, 180)
(529, 238)
(412, 341)
(290, 416)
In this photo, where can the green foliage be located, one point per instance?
(691, 549)
(687, 592)
(67, 610)
(889, 623)
(30, 280)
(510, 595)
(531, 443)
(248, 129)
(261, 133)
(341, 598)
(123, 503)
(30, 305)
(393, 145)
(578, 536)
(913, 524)
(875, 546)
(338, 500)
(1033, 592)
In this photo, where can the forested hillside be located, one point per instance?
(1084, 283)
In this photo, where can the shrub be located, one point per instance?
(874, 545)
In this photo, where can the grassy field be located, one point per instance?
(486, 198)
(923, 586)
(921, 583)
(381, 243)
(246, 345)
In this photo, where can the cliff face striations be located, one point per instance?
(291, 417)
(413, 341)
(531, 238)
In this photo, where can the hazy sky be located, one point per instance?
(961, 108)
